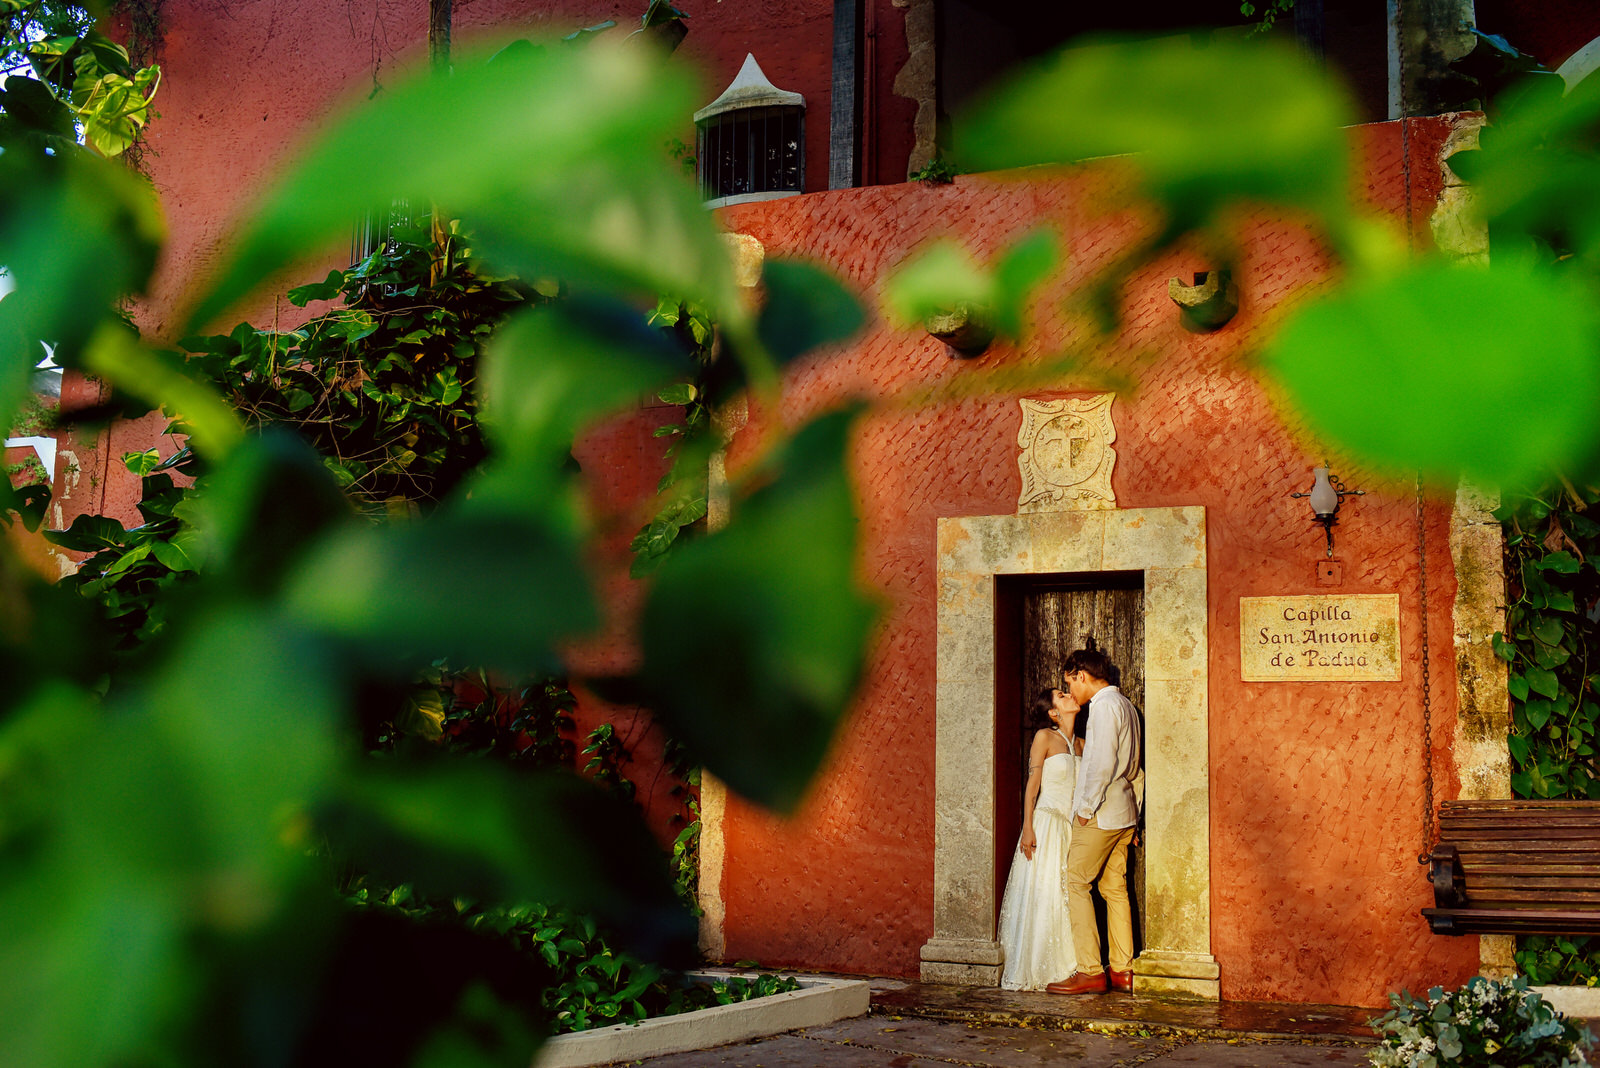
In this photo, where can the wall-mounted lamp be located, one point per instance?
(1326, 494)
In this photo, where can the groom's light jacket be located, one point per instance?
(1110, 782)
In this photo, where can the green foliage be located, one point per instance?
(606, 755)
(587, 981)
(1269, 12)
(1569, 960)
(80, 78)
(1550, 641)
(685, 487)
(168, 840)
(937, 171)
(1482, 1025)
(131, 572)
(383, 386)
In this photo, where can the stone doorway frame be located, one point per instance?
(1169, 546)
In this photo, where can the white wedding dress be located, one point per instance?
(1034, 930)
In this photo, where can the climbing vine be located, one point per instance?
(1550, 645)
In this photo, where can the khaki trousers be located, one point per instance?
(1103, 855)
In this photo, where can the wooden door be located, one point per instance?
(1040, 620)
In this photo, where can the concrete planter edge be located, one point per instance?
(819, 1001)
(1582, 1002)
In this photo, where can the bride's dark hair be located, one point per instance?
(1039, 711)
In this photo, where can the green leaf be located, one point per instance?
(89, 534)
(1018, 272)
(779, 625)
(79, 234)
(938, 278)
(174, 554)
(1543, 682)
(1426, 372)
(327, 289)
(1549, 631)
(677, 393)
(469, 586)
(555, 369)
(162, 379)
(1518, 687)
(1520, 749)
(1538, 713)
(1283, 138)
(1561, 562)
(142, 463)
(239, 519)
(580, 191)
(806, 307)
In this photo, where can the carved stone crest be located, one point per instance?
(1066, 455)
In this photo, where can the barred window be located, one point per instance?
(751, 141)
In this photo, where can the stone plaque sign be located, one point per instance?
(1317, 637)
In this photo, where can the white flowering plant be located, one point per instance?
(1485, 1023)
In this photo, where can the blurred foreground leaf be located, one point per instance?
(754, 637)
(483, 831)
(136, 843)
(77, 234)
(1493, 374)
(1210, 123)
(469, 586)
(581, 191)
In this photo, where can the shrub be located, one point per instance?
(1484, 1023)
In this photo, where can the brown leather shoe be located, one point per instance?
(1121, 981)
(1078, 983)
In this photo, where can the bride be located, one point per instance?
(1034, 928)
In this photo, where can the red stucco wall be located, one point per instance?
(1316, 791)
(244, 85)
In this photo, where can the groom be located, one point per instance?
(1105, 810)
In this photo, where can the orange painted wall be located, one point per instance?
(1316, 787)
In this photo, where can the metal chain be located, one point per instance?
(1427, 692)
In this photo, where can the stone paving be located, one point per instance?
(929, 1025)
(908, 1042)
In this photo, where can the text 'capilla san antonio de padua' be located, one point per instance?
(1317, 638)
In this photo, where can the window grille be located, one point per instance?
(372, 230)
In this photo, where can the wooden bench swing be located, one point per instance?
(1504, 867)
(1516, 867)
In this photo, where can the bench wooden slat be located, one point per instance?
(1572, 875)
(1517, 804)
(1570, 827)
(1526, 845)
(1477, 829)
(1533, 895)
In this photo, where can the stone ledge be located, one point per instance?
(818, 1001)
(1579, 1002)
